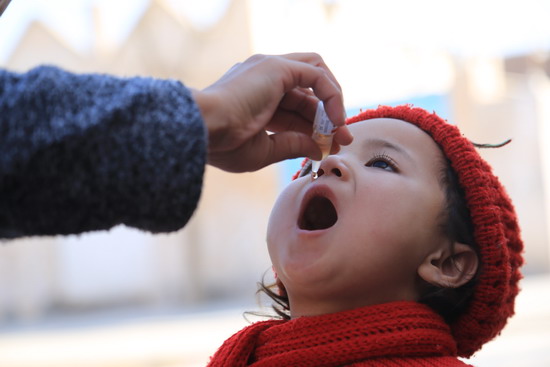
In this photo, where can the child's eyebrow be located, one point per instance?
(382, 143)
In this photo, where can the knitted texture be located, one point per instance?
(87, 152)
(496, 229)
(392, 334)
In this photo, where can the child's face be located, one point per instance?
(381, 220)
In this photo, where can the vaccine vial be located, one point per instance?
(323, 130)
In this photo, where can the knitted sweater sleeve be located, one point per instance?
(88, 152)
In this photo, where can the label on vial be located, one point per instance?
(322, 123)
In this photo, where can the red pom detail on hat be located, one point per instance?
(496, 229)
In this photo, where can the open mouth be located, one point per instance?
(318, 213)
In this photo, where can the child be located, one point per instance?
(404, 252)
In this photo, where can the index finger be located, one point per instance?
(305, 75)
(314, 59)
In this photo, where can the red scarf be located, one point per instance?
(391, 334)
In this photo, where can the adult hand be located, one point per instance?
(278, 94)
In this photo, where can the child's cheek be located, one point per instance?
(284, 214)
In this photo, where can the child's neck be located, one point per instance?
(300, 307)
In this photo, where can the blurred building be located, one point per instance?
(221, 254)
(497, 99)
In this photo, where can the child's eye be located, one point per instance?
(382, 161)
(380, 164)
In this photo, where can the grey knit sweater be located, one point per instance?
(88, 152)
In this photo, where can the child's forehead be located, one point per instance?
(382, 122)
(392, 131)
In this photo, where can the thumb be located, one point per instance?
(292, 144)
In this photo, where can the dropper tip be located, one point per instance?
(314, 169)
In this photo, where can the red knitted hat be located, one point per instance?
(496, 229)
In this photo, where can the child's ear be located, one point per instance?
(447, 269)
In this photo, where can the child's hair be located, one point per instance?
(456, 225)
(478, 213)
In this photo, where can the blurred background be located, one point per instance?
(127, 298)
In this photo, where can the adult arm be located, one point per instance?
(88, 152)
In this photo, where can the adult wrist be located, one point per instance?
(210, 111)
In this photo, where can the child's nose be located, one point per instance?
(334, 165)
